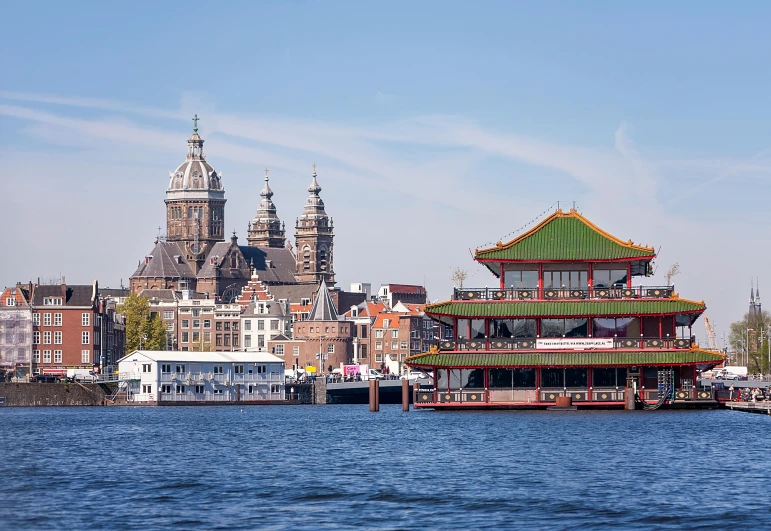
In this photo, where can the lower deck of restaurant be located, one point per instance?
(594, 387)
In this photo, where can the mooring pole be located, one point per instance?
(374, 395)
(405, 395)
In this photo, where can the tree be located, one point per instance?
(143, 330)
(459, 276)
(749, 339)
(673, 270)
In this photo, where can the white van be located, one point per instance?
(81, 375)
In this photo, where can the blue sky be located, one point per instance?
(437, 127)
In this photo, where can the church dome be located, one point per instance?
(194, 175)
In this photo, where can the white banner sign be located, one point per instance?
(574, 343)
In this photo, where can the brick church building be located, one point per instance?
(196, 255)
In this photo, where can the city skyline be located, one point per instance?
(446, 139)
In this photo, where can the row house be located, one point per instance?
(196, 323)
(15, 332)
(262, 321)
(67, 327)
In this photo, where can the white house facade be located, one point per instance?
(155, 377)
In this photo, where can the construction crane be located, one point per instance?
(710, 334)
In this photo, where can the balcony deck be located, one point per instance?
(588, 293)
(530, 344)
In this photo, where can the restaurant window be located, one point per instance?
(576, 378)
(472, 378)
(477, 329)
(608, 378)
(442, 378)
(521, 279)
(552, 378)
(564, 327)
(607, 278)
(512, 378)
(462, 327)
(566, 279)
(618, 327)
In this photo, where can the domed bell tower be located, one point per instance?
(266, 229)
(195, 203)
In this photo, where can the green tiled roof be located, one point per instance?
(564, 359)
(564, 308)
(565, 236)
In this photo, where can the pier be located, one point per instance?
(751, 407)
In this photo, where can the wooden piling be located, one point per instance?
(374, 395)
(405, 395)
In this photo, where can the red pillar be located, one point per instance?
(661, 331)
(589, 280)
(503, 282)
(540, 281)
(629, 275)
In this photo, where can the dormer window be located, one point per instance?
(52, 301)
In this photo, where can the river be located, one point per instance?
(342, 467)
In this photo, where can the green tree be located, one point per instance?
(143, 330)
(749, 341)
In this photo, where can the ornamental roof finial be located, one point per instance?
(195, 123)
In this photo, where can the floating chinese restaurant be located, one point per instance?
(566, 326)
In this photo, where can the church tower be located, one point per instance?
(266, 230)
(195, 204)
(314, 233)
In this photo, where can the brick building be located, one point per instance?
(327, 339)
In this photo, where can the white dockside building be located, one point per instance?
(173, 376)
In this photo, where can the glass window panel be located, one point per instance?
(524, 328)
(501, 378)
(552, 378)
(601, 278)
(473, 378)
(529, 280)
(576, 378)
(501, 328)
(552, 327)
(477, 329)
(442, 379)
(462, 328)
(579, 279)
(455, 379)
(620, 377)
(618, 277)
(524, 378)
(520, 279)
(604, 378)
(627, 327)
(602, 327)
(576, 327)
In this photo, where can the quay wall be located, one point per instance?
(53, 394)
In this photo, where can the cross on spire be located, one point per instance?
(195, 123)
(314, 167)
(266, 172)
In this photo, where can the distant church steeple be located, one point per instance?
(266, 229)
(755, 306)
(314, 235)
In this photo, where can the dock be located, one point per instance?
(751, 407)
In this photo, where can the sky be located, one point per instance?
(437, 127)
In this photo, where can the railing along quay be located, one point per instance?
(515, 294)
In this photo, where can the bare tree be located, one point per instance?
(673, 270)
(459, 276)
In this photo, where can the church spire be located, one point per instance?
(314, 236)
(265, 229)
(195, 142)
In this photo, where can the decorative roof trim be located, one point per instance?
(571, 214)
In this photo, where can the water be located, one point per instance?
(331, 467)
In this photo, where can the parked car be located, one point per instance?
(44, 378)
(417, 375)
(727, 376)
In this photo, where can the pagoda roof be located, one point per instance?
(593, 308)
(565, 237)
(566, 359)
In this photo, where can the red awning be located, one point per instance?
(55, 371)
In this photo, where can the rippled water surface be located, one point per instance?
(316, 467)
